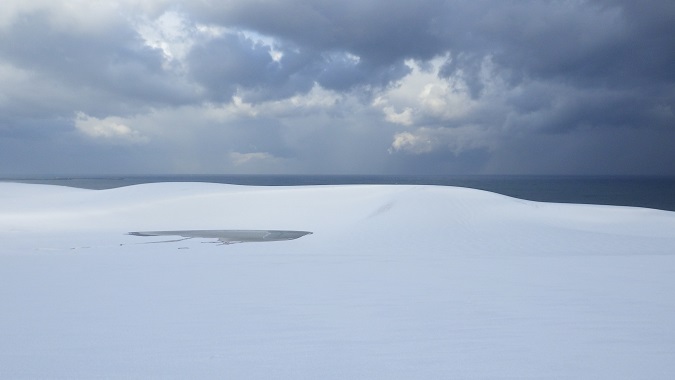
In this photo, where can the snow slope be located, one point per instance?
(395, 282)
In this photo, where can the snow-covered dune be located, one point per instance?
(393, 282)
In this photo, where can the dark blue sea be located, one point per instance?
(651, 192)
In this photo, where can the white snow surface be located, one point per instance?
(396, 282)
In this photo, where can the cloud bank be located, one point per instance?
(368, 86)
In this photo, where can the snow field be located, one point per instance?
(395, 282)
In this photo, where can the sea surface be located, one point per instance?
(651, 192)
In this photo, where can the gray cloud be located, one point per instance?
(110, 71)
(378, 31)
(480, 86)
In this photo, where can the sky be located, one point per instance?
(565, 87)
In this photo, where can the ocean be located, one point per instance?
(651, 192)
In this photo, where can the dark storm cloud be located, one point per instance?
(225, 63)
(584, 44)
(235, 62)
(557, 109)
(549, 36)
(592, 45)
(378, 31)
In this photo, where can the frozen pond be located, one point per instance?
(229, 236)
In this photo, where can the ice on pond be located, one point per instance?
(229, 236)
